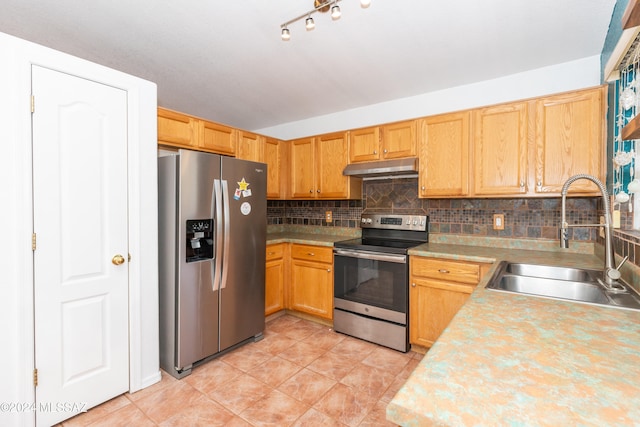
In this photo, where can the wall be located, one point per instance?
(524, 218)
(564, 77)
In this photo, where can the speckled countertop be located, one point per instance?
(516, 360)
(305, 238)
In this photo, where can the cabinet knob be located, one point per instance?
(422, 188)
(385, 151)
(522, 184)
(318, 191)
(311, 254)
(311, 191)
(413, 285)
(443, 271)
(539, 183)
(375, 151)
(328, 270)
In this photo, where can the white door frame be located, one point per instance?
(16, 257)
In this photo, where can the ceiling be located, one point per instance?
(224, 60)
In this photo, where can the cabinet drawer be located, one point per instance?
(275, 251)
(312, 253)
(445, 270)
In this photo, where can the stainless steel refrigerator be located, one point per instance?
(212, 242)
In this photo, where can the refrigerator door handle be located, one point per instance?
(225, 251)
(217, 199)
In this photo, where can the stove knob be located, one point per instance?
(363, 220)
(369, 221)
(415, 222)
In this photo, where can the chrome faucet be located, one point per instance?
(611, 274)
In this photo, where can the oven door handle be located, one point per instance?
(375, 256)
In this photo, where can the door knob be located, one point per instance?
(117, 259)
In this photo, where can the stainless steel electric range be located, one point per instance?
(371, 279)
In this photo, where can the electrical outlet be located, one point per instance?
(498, 221)
(328, 216)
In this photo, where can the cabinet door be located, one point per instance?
(444, 155)
(303, 168)
(176, 129)
(312, 288)
(432, 305)
(570, 139)
(217, 138)
(500, 141)
(274, 286)
(399, 140)
(331, 161)
(250, 146)
(364, 145)
(274, 159)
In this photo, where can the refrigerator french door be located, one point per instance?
(212, 242)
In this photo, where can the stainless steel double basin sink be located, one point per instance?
(563, 283)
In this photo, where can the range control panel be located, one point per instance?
(395, 222)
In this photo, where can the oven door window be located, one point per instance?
(378, 283)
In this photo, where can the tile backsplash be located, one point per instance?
(523, 218)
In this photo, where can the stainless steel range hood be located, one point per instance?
(384, 169)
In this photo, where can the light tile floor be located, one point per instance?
(301, 374)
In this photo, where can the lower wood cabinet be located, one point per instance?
(312, 280)
(438, 289)
(274, 278)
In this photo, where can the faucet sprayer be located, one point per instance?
(611, 274)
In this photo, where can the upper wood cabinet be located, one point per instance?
(217, 138)
(316, 168)
(399, 140)
(443, 147)
(183, 131)
(250, 146)
(275, 156)
(520, 149)
(177, 129)
(391, 141)
(570, 132)
(303, 169)
(258, 148)
(500, 148)
(364, 145)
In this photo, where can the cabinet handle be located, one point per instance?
(311, 254)
(443, 271)
(413, 285)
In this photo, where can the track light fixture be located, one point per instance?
(309, 23)
(319, 6)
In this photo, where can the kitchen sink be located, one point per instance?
(551, 272)
(571, 284)
(554, 288)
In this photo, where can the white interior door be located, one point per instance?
(80, 222)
